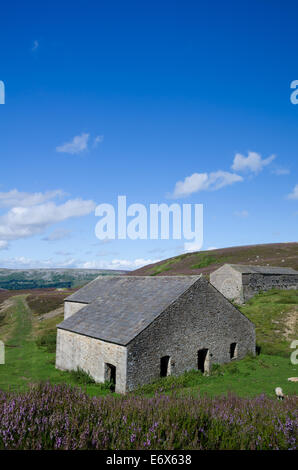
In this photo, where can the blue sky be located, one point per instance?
(145, 99)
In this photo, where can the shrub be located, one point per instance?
(172, 382)
(62, 417)
(41, 303)
(82, 377)
(48, 341)
(231, 368)
(205, 261)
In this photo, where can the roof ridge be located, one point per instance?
(118, 311)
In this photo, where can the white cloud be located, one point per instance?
(69, 262)
(212, 248)
(21, 199)
(281, 171)
(189, 247)
(22, 262)
(105, 241)
(294, 194)
(63, 253)
(58, 234)
(252, 163)
(191, 184)
(3, 244)
(204, 181)
(118, 264)
(242, 214)
(159, 251)
(218, 179)
(98, 140)
(20, 222)
(35, 46)
(105, 253)
(78, 144)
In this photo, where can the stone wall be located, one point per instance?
(254, 283)
(90, 354)
(228, 281)
(200, 318)
(72, 307)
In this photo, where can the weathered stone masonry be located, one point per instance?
(72, 307)
(91, 355)
(199, 319)
(146, 327)
(240, 283)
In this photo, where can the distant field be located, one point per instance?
(28, 328)
(274, 254)
(17, 279)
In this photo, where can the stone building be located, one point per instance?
(133, 330)
(240, 283)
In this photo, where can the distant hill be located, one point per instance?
(16, 279)
(273, 254)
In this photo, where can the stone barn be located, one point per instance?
(240, 283)
(133, 330)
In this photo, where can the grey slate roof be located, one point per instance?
(120, 307)
(245, 269)
(94, 289)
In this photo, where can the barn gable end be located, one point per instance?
(201, 319)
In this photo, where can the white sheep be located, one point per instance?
(279, 393)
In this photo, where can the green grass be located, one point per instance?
(30, 356)
(247, 378)
(166, 266)
(27, 362)
(204, 261)
(48, 341)
(270, 312)
(84, 378)
(202, 258)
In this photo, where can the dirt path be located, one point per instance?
(291, 323)
(53, 313)
(7, 304)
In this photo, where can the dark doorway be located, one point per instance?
(165, 366)
(233, 350)
(110, 375)
(203, 360)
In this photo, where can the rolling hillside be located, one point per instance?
(273, 254)
(16, 279)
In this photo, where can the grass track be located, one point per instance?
(27, 363)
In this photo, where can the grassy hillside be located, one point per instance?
(28, 328)
(30, 341)
(16, 279)
(275, 315)
(277, 254)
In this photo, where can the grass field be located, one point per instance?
(30, 346)
(25, 361)
(275, 315)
